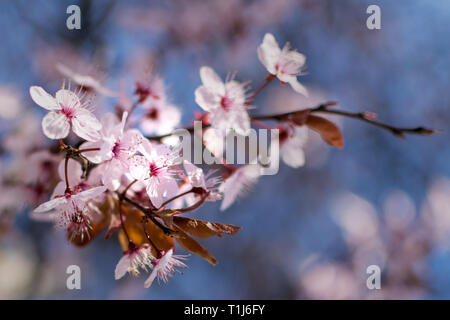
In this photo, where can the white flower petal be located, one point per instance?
(155, 192)
(139, 168)
(86, 126)
(169, 187)
(206, 99)
(151, 278)
(269, 52)
(236, 92)
(212, 81)
(56, 125)
(122, 267)
(237, 119)
(296, 58)
(89, 194)
(43, 99)
(113, 173)
(49, 205)
(297, 86)
(241, 121)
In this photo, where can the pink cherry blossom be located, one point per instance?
(165, 266)
(117, 146)
(71, 210)
(66, 111)
(225, 102)
(285, 64)
(154, 169)
(134, 258)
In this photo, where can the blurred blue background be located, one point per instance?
(295, 241)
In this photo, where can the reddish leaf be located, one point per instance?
(193, 246)
(205, 229)
(328, 130)
(135, 230)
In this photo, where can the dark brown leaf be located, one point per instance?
(193, 246)
(205, 229)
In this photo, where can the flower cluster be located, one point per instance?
(111, 174)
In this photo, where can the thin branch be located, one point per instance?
(367, 117)
(66, 173)
(363, 116)
(195, 205)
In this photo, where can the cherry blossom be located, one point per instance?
(285, 64)
(116, 146)
(154, 169)
(71, 210)
(66, 111)
(136, 186)
(134, 258)
(165, 266)
(224, 101)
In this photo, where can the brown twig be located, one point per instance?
(325, 108)
(363, 116)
